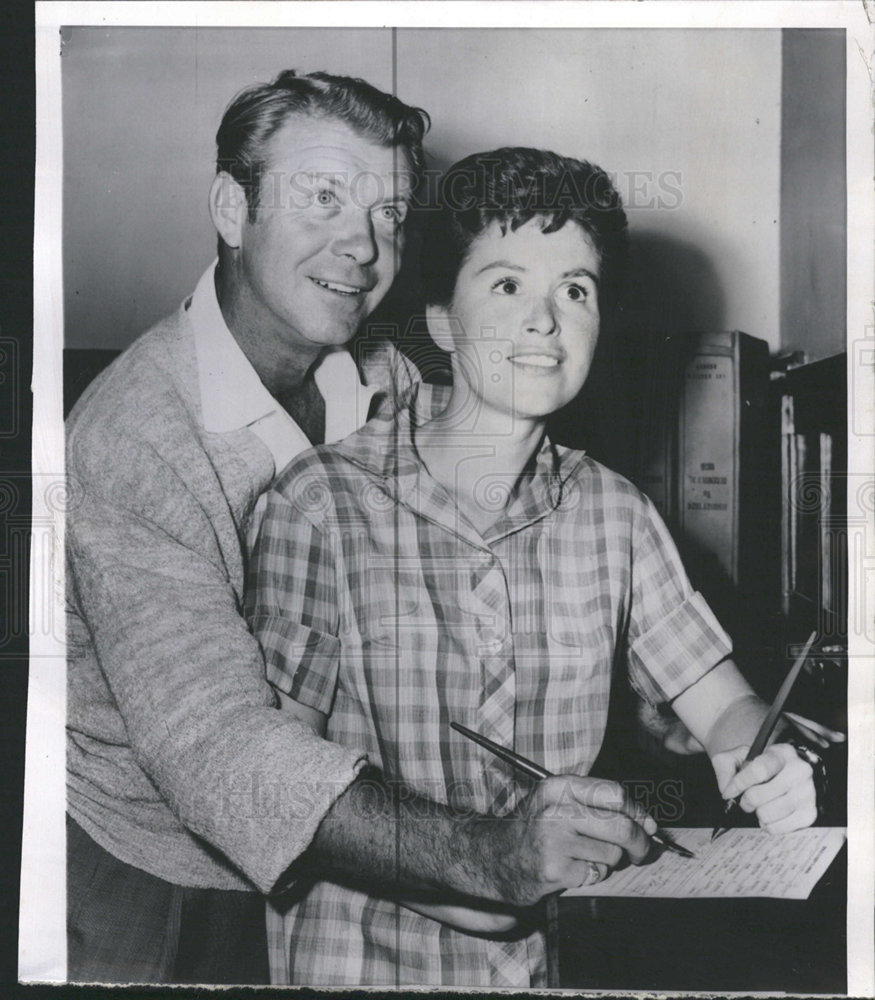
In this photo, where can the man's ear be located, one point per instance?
(440, 328)
(228, 208)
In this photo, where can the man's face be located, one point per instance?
(327, 240)
(525, 318)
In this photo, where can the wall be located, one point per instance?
(813, 193)
(688, 121)
(141, 109)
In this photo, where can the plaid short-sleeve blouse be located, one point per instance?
(378, 603)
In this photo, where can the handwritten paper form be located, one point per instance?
(743, 862)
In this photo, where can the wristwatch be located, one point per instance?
(812, 756)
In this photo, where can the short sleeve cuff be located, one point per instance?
(678, 651)
(299, 661)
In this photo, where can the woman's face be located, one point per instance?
(524, 320)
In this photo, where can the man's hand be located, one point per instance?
(778, 786)
(473, 919)
(565, 830)
(568, 830)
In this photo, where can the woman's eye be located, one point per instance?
(325, 197)
(577, 293)
(507, 286)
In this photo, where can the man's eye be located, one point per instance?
(506, 286)
(325, 197)
(394, 214)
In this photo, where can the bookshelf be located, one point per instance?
(813, 503)
(748, 467)
(814, 531)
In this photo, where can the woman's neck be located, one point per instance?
(478, 455)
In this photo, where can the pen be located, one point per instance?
(534, 770)
(766, 729)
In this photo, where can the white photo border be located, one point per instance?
(42, 949)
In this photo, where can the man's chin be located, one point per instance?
(333, 334)
(332, 327)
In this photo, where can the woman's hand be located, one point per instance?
(816, 732)
(778, 786)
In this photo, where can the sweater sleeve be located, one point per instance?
(148, 578)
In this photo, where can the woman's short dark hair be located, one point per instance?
(258, 111)
(511, 186)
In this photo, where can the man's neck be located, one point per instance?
(306, 407)
(282, 369)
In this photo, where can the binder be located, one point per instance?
(721, 419)
(704, 459)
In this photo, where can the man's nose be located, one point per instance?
(542, 317)
(355, 237)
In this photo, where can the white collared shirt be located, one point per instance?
(233, 396)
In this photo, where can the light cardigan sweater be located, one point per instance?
(178, 761)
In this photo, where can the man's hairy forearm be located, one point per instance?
(384, 832)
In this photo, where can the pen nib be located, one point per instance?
(684, 852)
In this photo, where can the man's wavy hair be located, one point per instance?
(511, 186)
(257, 112)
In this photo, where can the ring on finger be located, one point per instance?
(593, 874)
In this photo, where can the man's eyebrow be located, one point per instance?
(394, 195)
(331, 177)
(397, 199)
(400, 190)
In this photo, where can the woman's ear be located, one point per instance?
(228, 208)
(440, 328)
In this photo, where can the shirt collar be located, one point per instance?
(385, 448)
(233, 396)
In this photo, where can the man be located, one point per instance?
(187, 789)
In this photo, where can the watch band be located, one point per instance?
(814, 758)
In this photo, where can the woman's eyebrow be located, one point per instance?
(581, 272)
(503, 264)
(506, 265)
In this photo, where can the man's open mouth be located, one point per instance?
(339, 287)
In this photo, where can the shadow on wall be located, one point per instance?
(671, 288)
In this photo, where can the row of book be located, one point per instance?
(747, 467)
